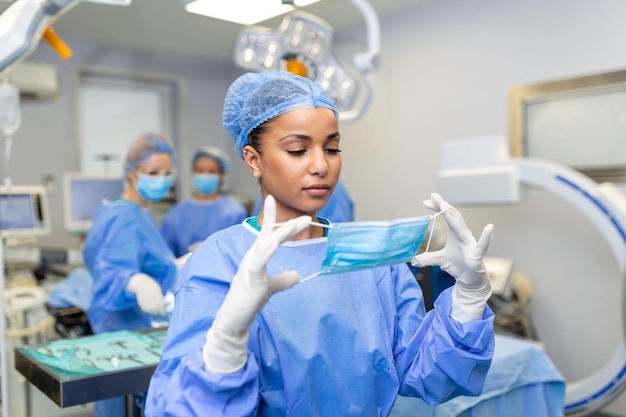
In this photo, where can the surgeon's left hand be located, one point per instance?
(461, 257)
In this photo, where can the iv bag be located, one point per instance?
(10, 117)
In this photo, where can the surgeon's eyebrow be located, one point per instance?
(302, 136)
(333, 136)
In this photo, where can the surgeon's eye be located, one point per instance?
(159, 172)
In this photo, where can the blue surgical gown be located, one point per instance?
(338, 208)
(124, 240)
(191, 221)
(335, 345)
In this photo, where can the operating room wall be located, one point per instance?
(445, 70)
(46, 143)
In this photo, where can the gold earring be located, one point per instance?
(256, 174)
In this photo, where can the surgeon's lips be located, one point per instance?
(317, 190)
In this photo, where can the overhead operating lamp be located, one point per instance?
(244, 12)
(302, 45)
(22, 25)
(479, 171)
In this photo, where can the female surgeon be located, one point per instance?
(130, 263)
(343, 344)
(190, 221)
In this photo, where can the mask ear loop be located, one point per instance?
(432, 228)
(328, 226)
(310, 276)
(280, 268)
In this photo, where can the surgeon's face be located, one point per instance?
(207, 166)
(300, 161)
(154, 168)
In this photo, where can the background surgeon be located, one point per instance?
(342, 344)
(190, 221)
(131, 265)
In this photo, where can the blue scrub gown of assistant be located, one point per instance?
(335, 345)
(123, 240)
(191, 221)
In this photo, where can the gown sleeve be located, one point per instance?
(117, 258)
(439, 358)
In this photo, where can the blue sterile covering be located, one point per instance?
(101, 353)
(522, 382)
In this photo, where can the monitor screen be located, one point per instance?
(83, 194)
(23, 211)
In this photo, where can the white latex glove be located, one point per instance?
(461, 257)
(225, 349)
(148, 292)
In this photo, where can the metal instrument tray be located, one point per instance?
(67, 388)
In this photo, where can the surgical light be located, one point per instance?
(244, 12)
(302, 44)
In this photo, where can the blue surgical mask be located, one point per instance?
(154, 187)
(353, 246)
(206, 183)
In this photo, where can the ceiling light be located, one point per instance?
(244, 12)
(303, 45)
(112, 2)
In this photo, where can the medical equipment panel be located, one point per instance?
(23, 211)
(82, 194)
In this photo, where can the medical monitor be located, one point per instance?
(24, 211)
(83, 194)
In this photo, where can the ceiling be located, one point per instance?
(164, 26)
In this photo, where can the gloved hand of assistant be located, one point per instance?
(148, 292)
(461, 257)
(225, 348)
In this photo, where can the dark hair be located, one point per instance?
(254, 137)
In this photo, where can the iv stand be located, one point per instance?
(3, 350)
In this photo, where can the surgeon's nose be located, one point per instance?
(319, 165)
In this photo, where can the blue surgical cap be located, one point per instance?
(216, 154)
(254, 98)
(144, 147)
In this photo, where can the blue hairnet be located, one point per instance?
(144, 147)
(254, 98)
(216, 154)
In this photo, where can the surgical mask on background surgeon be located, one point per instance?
(154, 188)
(206, 183)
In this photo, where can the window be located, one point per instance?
(114, 109)
(578, 122)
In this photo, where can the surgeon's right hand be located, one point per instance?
(225, 349)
